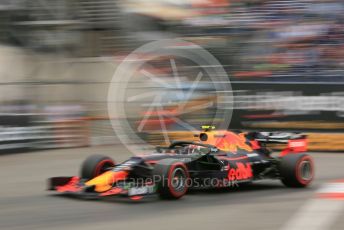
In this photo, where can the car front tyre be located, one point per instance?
(172, 176)
(95, 165)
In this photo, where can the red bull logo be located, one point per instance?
(228, 141)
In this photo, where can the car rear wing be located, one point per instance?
(295, 142)
(277, 137)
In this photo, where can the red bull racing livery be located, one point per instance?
(219, 159)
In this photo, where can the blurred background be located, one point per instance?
(284, 71)
(284, 59)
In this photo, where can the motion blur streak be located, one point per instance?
(283, 58)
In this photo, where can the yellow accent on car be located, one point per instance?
(106, 180)
(208, 127)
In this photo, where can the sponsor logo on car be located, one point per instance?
(242, 172)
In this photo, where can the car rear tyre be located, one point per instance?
(172, 178)
(296, 170)
(95, 165)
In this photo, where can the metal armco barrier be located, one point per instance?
(44, 135)
(295, 106)
(62, 134)
(316, 109)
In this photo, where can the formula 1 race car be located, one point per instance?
(219, 159)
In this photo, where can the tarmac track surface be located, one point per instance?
(25, 204)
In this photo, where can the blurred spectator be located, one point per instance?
(285, 40)
(289, 40)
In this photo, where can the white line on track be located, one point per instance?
(318, 213)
